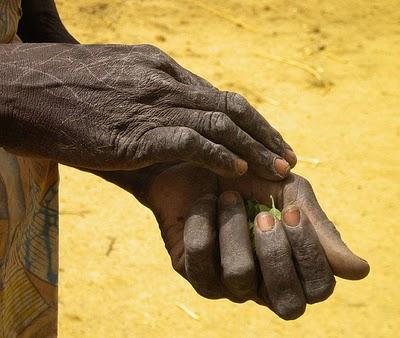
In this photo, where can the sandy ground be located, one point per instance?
(346, 116)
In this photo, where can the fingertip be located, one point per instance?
(364, 270)
(290, 157)
(265, 221)
(291, 310)
(345, 264)
(356, 271)
(282, 168)
(291, 216)
(241, 166)
(229, 198)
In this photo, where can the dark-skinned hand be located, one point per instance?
(204, 226)
(115, 107)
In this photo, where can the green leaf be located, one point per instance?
(273, 211)
(262, 207)
(251, 209)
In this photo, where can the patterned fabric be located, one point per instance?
(10, 13)
(28, 231)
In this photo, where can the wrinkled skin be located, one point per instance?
(204, 226)
(114, 107)
(119, 94)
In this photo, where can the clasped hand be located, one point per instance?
(204, 226)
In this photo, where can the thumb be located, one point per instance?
(343, 261)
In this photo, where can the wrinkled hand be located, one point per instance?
(117, 107)
(204, 225)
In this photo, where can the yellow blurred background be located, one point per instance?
(324, 73)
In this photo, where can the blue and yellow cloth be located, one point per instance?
(28, 230)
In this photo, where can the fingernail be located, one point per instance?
(265, 221)
(241, 166)
(291, 157)
(291, 216)
(281, 167)
(229, 197)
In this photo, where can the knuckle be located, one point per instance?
(186, 139)
(219, 150)
(240, 102)
(219, 122)
(308, 253)
(161, 56)
(150, 49)
(222, 156)
(155, 85)
(271, 255)
(155, 55)
(235, 104)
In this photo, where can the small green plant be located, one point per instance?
(253, 207)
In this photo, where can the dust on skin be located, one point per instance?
(348, 120)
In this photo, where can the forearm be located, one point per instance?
(56, 101)
(34, 89)
(17, 130)
(40, 22)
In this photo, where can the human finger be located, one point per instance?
(275, 257)
(219, 128)
(237, 261)
(239, 110)
(201, 248)
(312, 266)
(169, 144)
(343, 261)
(250, 120)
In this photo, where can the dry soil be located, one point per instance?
(327, 75)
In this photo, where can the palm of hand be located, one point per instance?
(171, 197)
